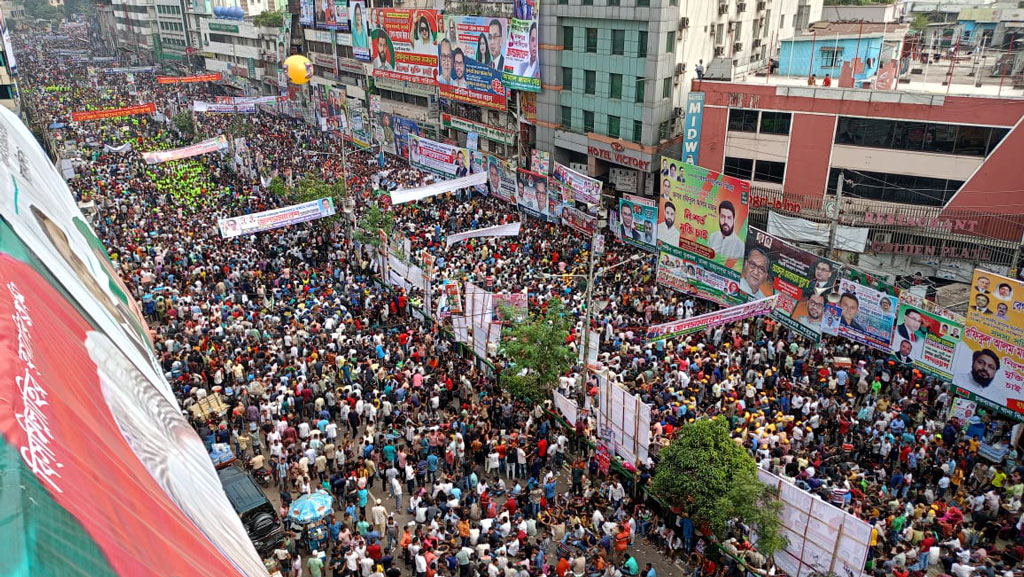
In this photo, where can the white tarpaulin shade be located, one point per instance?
(802, 230)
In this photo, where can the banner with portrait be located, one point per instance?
(571, 185)
(861, 314)
(358, 18)
(522, 56)
(501, 179)
(989, 361)
(532, 194)
(471, 57)
(438, 158)
(579, 220)
(279, 217)
(926, 340)
(680, 271)
(332, 14)
(404, 44)
(396, 134)
(637, 222)
(306, 8)
(802, 281)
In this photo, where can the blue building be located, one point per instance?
(977, 25)
(826, 46)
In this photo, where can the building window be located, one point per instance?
(587, 2)
(719, 34)
(775, 122)
(641, 44)
(641, 89)
(670, 41)
(615, 83)
(831, 57)
(643, 3)
(666, 88)
(924, 136)
(618, 42)
(802, 18)
(588, 121)
(566, 78)
(592, 40)
(563, 2)
(902, 188)
(566, 117)
(613, 126)
(742, 120)
(768, 171)
(589, 82)
(613, 2)
(638, 131)
(738, 167)
(567, 37)
(663, 131)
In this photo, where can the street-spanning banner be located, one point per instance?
(277, 218)
(711, 320)
(579, 220)
(800, 279)
(471, 64)
(638, 218)
(501, 178)
(404, 44)
(989, 362)
(571, 185)
(532, 195)
(499, 230)
(126, 147)
(414, 194)
(927, 340)
(208, 145)
(863, 315)
(212, 77)
(438, 158)
(249, 99)
(130, 70)
(522, 55)
(86, 115)
(217, 108)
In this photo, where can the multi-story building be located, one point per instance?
(136, 29)
(8, 87)
(247, 56)
(172, 30)
(14, 11)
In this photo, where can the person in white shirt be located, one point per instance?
(726, 244)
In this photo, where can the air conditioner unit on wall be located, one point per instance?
(761, 6)
(723, 9)
(741, 7)
(680, 68)
(719, 50)
(737, 47)
(684, 23)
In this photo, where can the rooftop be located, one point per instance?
(824, 29)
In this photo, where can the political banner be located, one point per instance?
(248, 99)
(331, 14)
(360, 27)
(862, 314)
(216, 108)
(470, 64)
(540, 161)
(478, 165)
(683, 272)
(501, 179)
(396, 132)
(511, 229)
(571, 185)
(277, 218)
(801, 280)
(711, 320)
(522, 55)
(532, 195)
(404, 44)
(518, 302)
(195, 78)
(579, 220)
(208, 145)
(428, 190)
(306, 12)
(638, 218)
(926, 340)
(86, 115)
(702, 219)
(129, 70)
(989, 361)
(438, 158)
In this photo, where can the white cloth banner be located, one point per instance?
(204, 147)
(802, 230)
(244, 108)
(414, 194)
(500, 230)
(566, 406)
(118, 149)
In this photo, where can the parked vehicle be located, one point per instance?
(259, 517)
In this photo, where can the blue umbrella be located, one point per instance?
(312, 507)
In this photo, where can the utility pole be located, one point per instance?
(581, 393)
(834, 226)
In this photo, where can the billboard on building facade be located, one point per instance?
(501, 178)
(862, 314)
(471, 57)
(572, 185)
(438, 158)
(359, 24)
(396, 134)
(331, 14)
(403, 44)
(522, 56)
(307, 10)
(926, 340)
(533, 196)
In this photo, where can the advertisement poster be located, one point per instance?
(396, 134)
(470, 64)
(331, 14)
(306, 14)
(571, 185)
(404, 44)
(863, 315)
(501, 179)
(989, 361)
(360, 26)
(579, 220)
(926, 340)
(702, 221)
(710, 320)
(638, 218)
(277, 218)
(801, 280)
(532, 194)
(540, 161)
(692, 127)
(522, 57)
(435, 157)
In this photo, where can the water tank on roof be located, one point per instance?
(238, 13)
(218, 12)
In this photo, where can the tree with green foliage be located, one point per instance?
(309, 189)
(705, 472)
(537, 351)
(920, 22)
(277, 187)
(42, 10)
(185, 125)
(374, 220)
(269, 19)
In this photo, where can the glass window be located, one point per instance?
(909, 135)
(587, 2)
(997, 136)
(775, 122)
(588, 121)
(738, 167)
(638, 129)
(663, 131)
(742, 120)
(566, 117)
(666, 88)
(768, 171)
(641, 44)
(670, 41)
(615, 81)
(566, 78)
(618, 42)
(613, 126)
(902, 188)
(831, 57)
(940, 138)
(971, 140)
(643, 3)
(641, 90)
(567, 37)
(589, 82)
(613, 2)
(592, 40)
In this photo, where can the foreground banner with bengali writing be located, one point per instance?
(212, 77)
(863, 314)
(926, 339)
(638, 217)
(277, 218)
(438, 158)
(711, 320)
(470, 65)
(419, 193)
(571, 185)
(404, 43)
(208, 145)
(85, 115)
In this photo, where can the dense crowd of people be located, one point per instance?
(333, 385)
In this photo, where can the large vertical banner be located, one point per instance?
(438, 158)
(306, 14)
(360, 30)
(470, 65)
(989, 362)
(692, 126)
(404, 44)
(801, 280)
(330, 14)
(571, 185)
(522, 57)
(501, 179)
(702, 231)
(638, 217)
(926, 340)
(862, 314)
(532, 194)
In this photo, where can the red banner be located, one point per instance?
(113, 112)
(214, 77)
